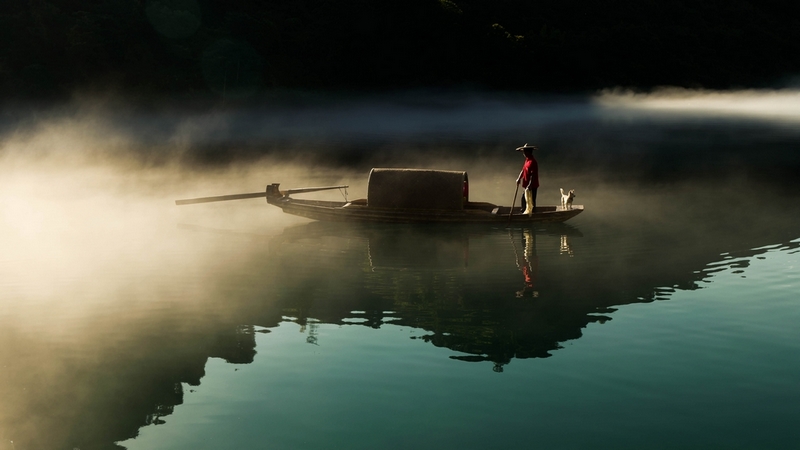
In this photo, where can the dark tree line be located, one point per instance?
(235, 48)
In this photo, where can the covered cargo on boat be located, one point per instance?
(417, 189)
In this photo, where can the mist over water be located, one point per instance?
(663, 134)
(781, 106)
(112, 295)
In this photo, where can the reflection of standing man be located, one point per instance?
(529, 178)
(529, 263)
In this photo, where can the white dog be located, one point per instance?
(566, 199)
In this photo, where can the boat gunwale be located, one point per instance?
(481, 212)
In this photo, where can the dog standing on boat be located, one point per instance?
(566, 199)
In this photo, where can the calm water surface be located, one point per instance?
(665, 316)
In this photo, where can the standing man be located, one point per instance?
(529, 178)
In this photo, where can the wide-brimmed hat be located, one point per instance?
(532, 147)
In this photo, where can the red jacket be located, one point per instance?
(530, 173)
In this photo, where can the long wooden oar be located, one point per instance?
(223, 198)
(220, 198)
(513, 202)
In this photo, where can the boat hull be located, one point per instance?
(472, 213)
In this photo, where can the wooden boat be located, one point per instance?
(403, 196)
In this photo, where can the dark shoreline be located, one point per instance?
(210, 51)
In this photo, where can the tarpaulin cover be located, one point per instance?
(416, 189)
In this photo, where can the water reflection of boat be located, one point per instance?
(403, 196)
(480, 292)
(396, 247)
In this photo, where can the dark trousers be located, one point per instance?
(524, 204)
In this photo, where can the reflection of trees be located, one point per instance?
(461, 285)
(55, 397)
